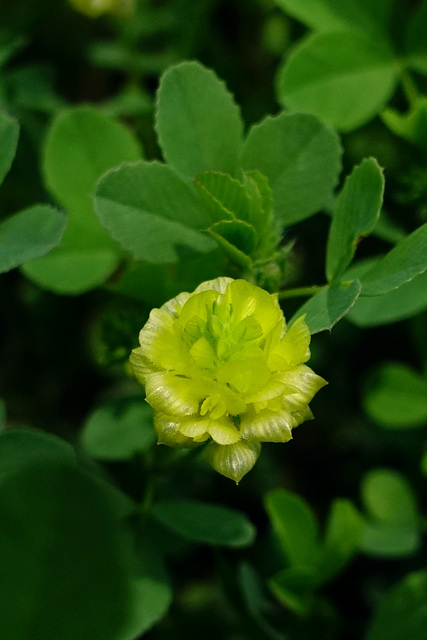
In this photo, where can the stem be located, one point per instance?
(300, 292)
(409, 87)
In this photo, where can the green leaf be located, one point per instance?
(198, 122)
(81, 145)
(391, 527)
(402, 613)
(295, 526)
(153, 212)
(226, 198)
(237, 234)
(294, 587)
(252, 587)
(405, 261)
(19, 447)
(29, 234)
(395, 397)
(9, 132)
(357, 211)
(329, 15)
(415, 41)
(411, 126)
(301, 159)
(399, 304)
(329, 305)
(151, 592)
(342, 539)
(119, 429)
(344, 78)
(63, 557)
(206, 523)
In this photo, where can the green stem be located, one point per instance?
(300, 292)
(409, 87)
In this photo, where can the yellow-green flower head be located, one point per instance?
(95, 8)
(219, 365)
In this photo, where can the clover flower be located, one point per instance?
(220, 365)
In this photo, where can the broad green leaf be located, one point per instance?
(118, 430)
(63, 557)
(207, 523)
(72, 270)
(294, 587)
(9, 132)
(415, 40)
(356, 213)
(295, 527)
(19, 447)
(395, 397)
(29, 234)
(198, 122)
(342, 539)
(411, 126)
(344, 78)
(402, 613)
(330, 15)
(153, 212)
(300, 156)
(404, 302)
(81, 145)
(329, 305)
(405, 261)
(391, 527)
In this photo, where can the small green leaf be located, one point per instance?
(295, 526)
(294, 587)
(206, 523)
(405, 261)
(415, 41)
(64, 558)
(391, 527)
(29, 234)
(237, 233)
(119, 429)
(9, 132)
(411, 126)
(153, 212)
(344, 78)
(404, 302)
(329, 15)
(357, 210)
(199, 124)
(300, 156)
(225, 197)
(395, 397)
(329, 305)
(252, 587)
(402, 613)
(342, 539)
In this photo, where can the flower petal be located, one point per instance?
(268, 426)
(293, 348)
(301, 384)
(168, 432)
(233, 460)
(172, 394)
(140, 365)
